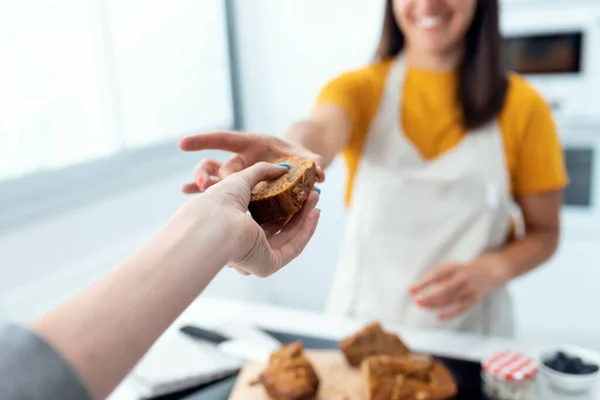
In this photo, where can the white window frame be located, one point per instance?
(41, 194)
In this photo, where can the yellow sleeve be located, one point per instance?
(358, 93)
(540, 165)
(343, 91)
(351, 92)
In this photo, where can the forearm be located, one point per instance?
(105, 330)
(325, 133)
(310, 135)
(524, 255)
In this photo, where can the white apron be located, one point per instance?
(410, 215)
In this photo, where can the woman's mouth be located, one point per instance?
(429, 22)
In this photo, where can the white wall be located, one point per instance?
(289, 49)
(287, 54)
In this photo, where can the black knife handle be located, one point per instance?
(203, 334)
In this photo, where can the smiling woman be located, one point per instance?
(441, 146)
(94, 90)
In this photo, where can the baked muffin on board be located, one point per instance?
(277, 201)
(370, 341)
(290, 375)
(411, 377)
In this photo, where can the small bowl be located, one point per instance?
(570, 383)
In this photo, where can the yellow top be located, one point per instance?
(534, 156)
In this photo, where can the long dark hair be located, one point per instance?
(482, 77)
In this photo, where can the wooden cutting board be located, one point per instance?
(339, 381)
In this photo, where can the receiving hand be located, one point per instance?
(248, 148)
(456, 287)
(250, 248)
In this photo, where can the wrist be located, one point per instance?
(497, 267)
(197, 238)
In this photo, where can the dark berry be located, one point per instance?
(589, 369)
(560, 366)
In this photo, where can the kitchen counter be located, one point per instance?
(213, 312)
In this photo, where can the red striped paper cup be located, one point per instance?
(510, 366)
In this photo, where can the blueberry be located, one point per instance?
(572, 366)
(576, 365)
(561, 355)
(560, 366)
(589, 369)
(586, 369)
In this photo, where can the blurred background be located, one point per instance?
(95, 93)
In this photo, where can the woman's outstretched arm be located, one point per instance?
(103, 332)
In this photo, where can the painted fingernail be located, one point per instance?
(199, 182)
(318, 209)
(284, 165)
(317, 190)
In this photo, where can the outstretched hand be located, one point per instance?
(248, 149)
(253, 249)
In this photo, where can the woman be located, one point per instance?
(440, 144)
(84, 348)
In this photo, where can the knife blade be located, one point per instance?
(203, 334)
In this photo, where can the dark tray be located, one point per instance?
(466, 373)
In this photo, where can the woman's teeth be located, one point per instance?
(429, 22)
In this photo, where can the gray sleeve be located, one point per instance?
(30, 369)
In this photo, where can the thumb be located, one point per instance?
(261, 171)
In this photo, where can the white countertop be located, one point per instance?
(213, 312)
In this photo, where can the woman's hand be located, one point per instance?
(455, 288)
(121, 315)
(249, 149)
(253, 249)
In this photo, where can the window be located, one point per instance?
(171, 63)
(86, 81)
(51, 109)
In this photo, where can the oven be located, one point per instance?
(557, 49)
(581, 210)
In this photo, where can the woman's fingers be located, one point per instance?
(207, 167)
(242, 271)
(294, 247)
(251, 155)
(268, 255)
(235, 142)
(201, 185)
(434, 276)
(261, 171)
(206, 173)
(461, 306)
(272, 229)
(204, 184)
(239, 185)
(235, 164)
(239, 270)
(190, 188)
(289, 231)
(320, 174)
(444, 293)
